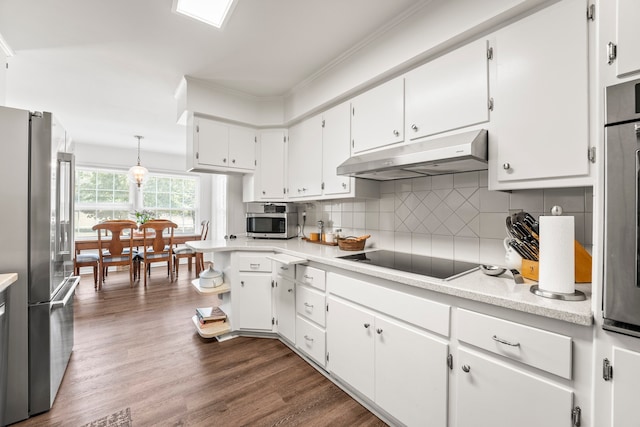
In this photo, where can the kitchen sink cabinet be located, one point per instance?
(305, 159)
(220, 147)
(377, 117)
(491, 393)
(448, 93)
(540, 121)
(393, 364)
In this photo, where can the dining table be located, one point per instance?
(85, 244)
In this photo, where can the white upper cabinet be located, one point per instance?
(220, 147)
(270, 176)
(628, 37)
(305, 158)
(336, 133)
(540, 119)
(378, 117)
(448, 93)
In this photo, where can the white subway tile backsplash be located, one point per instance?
(387, 187)
(492, 225)
(466, 249)
(527, 200)
(493, 201)
(569, 199)
(421, 244)
(421, 184)
(439, 182)
(442, 246)
(466, 180)
(387, 221)
(403, 242)
(403, 186)
(372, 220)
(359, 220)
(387, 202)
(491, 252)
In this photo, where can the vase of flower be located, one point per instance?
(143, 216)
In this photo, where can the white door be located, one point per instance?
(449, 92)
(242, 148)
(541, 104)
(350, 345)
(377, 116)
(495, 394)
(254, 302)
(286, 308)
(270, 173)
(628, 51)
(411, 374)
(212, 142)
(624, 400)
(336, 137)
(305, 158)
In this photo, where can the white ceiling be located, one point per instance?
(109, 68)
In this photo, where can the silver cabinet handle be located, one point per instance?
(637, 129)
(306, 304)
(344, 185)
(282, 267)
(396, 133)
(254, 265)
(506, 166)
(308, 338)
(242, 283)
(414, 127)
(466, 368)
(505, 342)
(308, 277)
(289, 290)
(224, 160)
(366, 325)
(2, 310)
(379, 331)
(233, 161)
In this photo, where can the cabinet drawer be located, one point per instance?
(310, 304)
(253, 263)
(285, 270)
(541, 349)
(311, 276)
(310, 339)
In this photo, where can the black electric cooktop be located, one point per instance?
(440, 268)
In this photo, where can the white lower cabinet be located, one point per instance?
(285, 299)
(491, 393)
(310, 313)
(397, 366)
(251, 289)
(625, 388)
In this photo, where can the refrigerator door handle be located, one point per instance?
(63, 302)
(2, 310)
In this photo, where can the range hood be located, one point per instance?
(462, 152)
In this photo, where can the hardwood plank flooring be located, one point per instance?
(137, 348)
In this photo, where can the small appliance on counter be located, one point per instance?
(272, 220)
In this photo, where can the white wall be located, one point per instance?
(3, 79)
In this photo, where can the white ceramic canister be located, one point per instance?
(211, 278)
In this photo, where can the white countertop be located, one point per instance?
(500, 291)
(7, 279)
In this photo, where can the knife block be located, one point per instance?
(530, 269)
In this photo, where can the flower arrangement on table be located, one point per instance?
(143, 216)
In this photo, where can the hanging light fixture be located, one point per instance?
(137, 173)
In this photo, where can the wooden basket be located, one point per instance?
(351, 244)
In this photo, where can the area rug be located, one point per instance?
(121, 418)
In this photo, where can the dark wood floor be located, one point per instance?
(137, 348)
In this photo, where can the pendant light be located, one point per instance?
(138, 173)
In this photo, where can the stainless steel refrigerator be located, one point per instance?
(37, 175)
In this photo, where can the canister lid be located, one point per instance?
(210, 273)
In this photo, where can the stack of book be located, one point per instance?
(210, 316)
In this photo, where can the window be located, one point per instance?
(100, 195)
(107, 194)
(173, 197)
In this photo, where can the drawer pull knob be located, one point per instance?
(289, 290)
(308, 277)
(505, 342)
(254, 265)
(379, 331)
(284, 268)
(466, 368)
(366, 325)
(308, 338)
(306, 304)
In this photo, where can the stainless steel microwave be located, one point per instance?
(271, 221)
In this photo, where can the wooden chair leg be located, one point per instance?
(190, 262)
(176, 262)
(95, 276)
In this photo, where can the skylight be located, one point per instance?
(212, 12)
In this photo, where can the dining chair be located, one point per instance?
(183, 251)
(87, 260)
(116, 246)
(155, 249)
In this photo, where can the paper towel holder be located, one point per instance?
(576, 296)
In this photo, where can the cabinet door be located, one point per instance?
(628, 53)
(411, 374)
(286, 308)
(624, 402)
(212, 142)
(305, 158)
(254, 302)
(350, 345)
(449, 92)
(494, 394)
(242, 148)
(541, 96)
(270, 173)
(377, 117)
(336, 134)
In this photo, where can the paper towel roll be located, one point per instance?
(557, 256)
